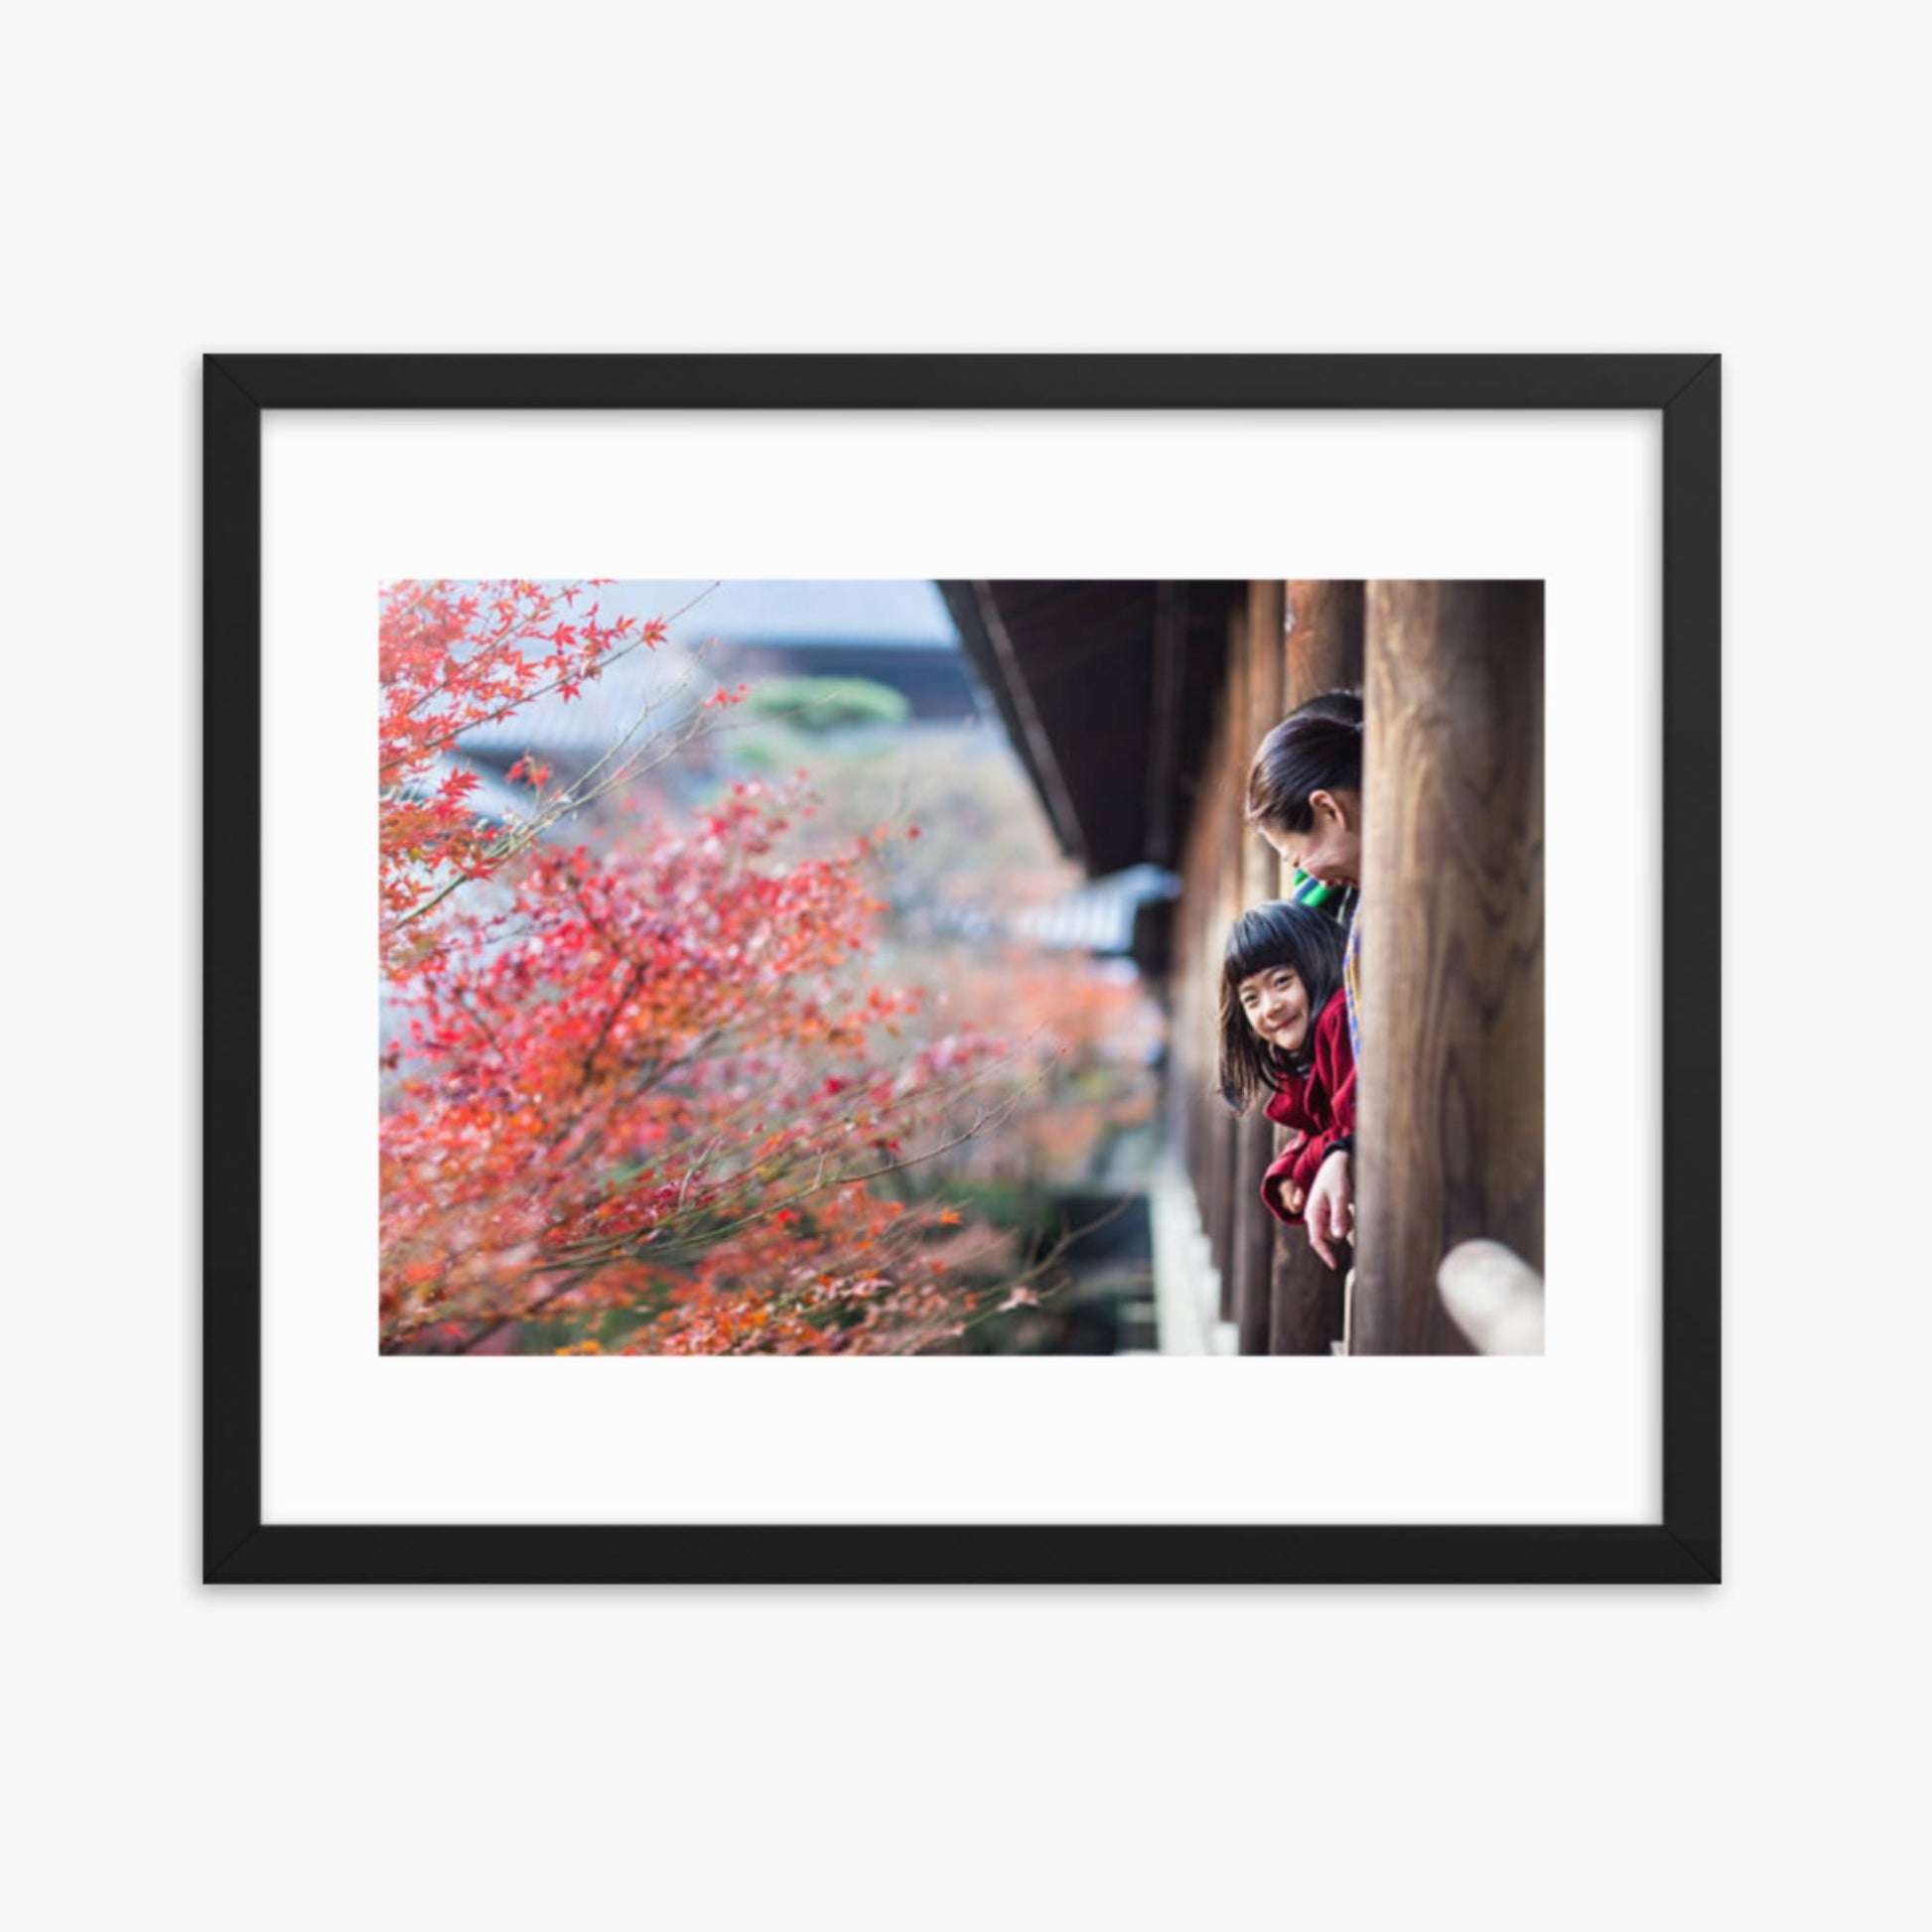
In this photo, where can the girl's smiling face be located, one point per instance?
(1276, 1005)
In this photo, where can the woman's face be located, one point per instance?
(1276, 1005)
(1330, 850)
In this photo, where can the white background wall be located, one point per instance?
(845, 177)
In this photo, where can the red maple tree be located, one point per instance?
(650, 1089)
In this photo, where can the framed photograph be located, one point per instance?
(961, 968)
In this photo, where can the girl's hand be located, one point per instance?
(1331, 1208)
(1288, 1197)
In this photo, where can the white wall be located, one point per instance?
(838, 177)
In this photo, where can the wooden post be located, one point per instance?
(1202, 909)
(1323, 653)
(1229, 1221)
(1177, 1081)
(1194, 1040)
(1450, 1139)
(1325, 638)
(1257, 704)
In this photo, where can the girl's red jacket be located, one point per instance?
(1319, 1104)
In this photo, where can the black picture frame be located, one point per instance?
(238, 1547)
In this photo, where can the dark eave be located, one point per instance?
(1106, 688)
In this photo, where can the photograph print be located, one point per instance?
(962, 968)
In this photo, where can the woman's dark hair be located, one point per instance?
(1263, 937)
(1318, 746)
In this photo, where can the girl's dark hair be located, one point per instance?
(1263, 937)
(1318, 746)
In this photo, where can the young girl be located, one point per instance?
(1285, 1034)
(1304, 798)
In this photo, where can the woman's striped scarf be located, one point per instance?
(1343, 905)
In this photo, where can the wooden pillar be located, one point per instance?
(1178, 1078)
(1325, 638)
(1451, 1135)
(1194, 1036)
(1201, 912)
(1257, 688)
(1323, 652)
(1228, 1219)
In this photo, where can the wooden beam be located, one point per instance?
(1203, 915)
(1322, 652)
(1036, 742)
(1169, 672)
(1257, 703)
(1450, 1143)
(1225, 846)
(1323, 618)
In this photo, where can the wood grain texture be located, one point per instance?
(1322, 651)
(1230, 1246)
(1304, 1302)
(1450, 1143)
(1324, 618)
(1258, 685)
(1203, 911)
(1265, 701)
